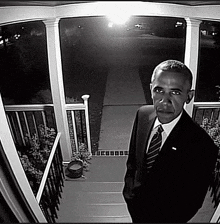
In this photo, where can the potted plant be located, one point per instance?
(79, 162)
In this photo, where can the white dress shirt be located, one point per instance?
(166, 127)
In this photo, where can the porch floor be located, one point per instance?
(97, 198)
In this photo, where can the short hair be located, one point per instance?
(174, 66)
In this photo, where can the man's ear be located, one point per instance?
(190, 95)
(151, 89)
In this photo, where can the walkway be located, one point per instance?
(124, 95)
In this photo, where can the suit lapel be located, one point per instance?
(173, 142)
(145, 130)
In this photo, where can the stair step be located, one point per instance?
(97, 197)
(121, 219)
(93, 211)
(83, 186)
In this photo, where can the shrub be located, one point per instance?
(34, 155)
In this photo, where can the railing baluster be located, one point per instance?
(51, 205)
(57, 175)
(218, 115)
(14, 128)
(20, 128)
(55, 193)
(74, 130)
(10, 127)
(44, 118)
(44, 206)
(56, 181)
(85, 98)
(81, 126)
(35, 125)
(212, 115)
(26, 124)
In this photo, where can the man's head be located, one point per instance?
(170, 86)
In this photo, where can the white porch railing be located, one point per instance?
(74, 113)
(210, 110)
(24, 120)
(51, 184)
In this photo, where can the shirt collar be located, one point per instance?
(169, 126)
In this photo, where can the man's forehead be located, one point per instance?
(171, 75)
(171, 80)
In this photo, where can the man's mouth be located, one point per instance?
(164, 111)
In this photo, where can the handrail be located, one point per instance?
(208, 110)
(27, 107)
(207, 104)
(46, 171)
(78, 106)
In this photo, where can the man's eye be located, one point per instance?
(175, 92)
(158, 90)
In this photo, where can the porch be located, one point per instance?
(98, 197)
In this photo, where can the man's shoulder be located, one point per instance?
(146, 113)
(146, 109)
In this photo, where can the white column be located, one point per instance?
(16, 167)
(191, 53)
(57, 88)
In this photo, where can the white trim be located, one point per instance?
(46, 171)
(57, 88)
(11, 200)
(192, 53)
(17, 14)
(16, 166)
(215, 218)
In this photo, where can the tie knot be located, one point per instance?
(160, 129)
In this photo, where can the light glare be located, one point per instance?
(118, 13)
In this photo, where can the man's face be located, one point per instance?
(169, 91)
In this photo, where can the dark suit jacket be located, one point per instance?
(178, 182)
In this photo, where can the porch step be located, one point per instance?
(83, 186)
(99, 197)
(103, 219)
(93, 202)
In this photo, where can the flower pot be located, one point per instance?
(74, 169)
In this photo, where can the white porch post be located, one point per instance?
(16, 167)
(57, 88)
(191, 53)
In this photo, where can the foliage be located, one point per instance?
(35, 154)
(83, 155)
(213, 129)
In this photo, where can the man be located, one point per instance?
(169, 186)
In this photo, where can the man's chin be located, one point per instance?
(165, 117)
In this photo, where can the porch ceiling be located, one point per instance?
(56, 3)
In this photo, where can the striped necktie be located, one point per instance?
(154, 148)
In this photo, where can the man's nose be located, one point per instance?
(165, 99)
